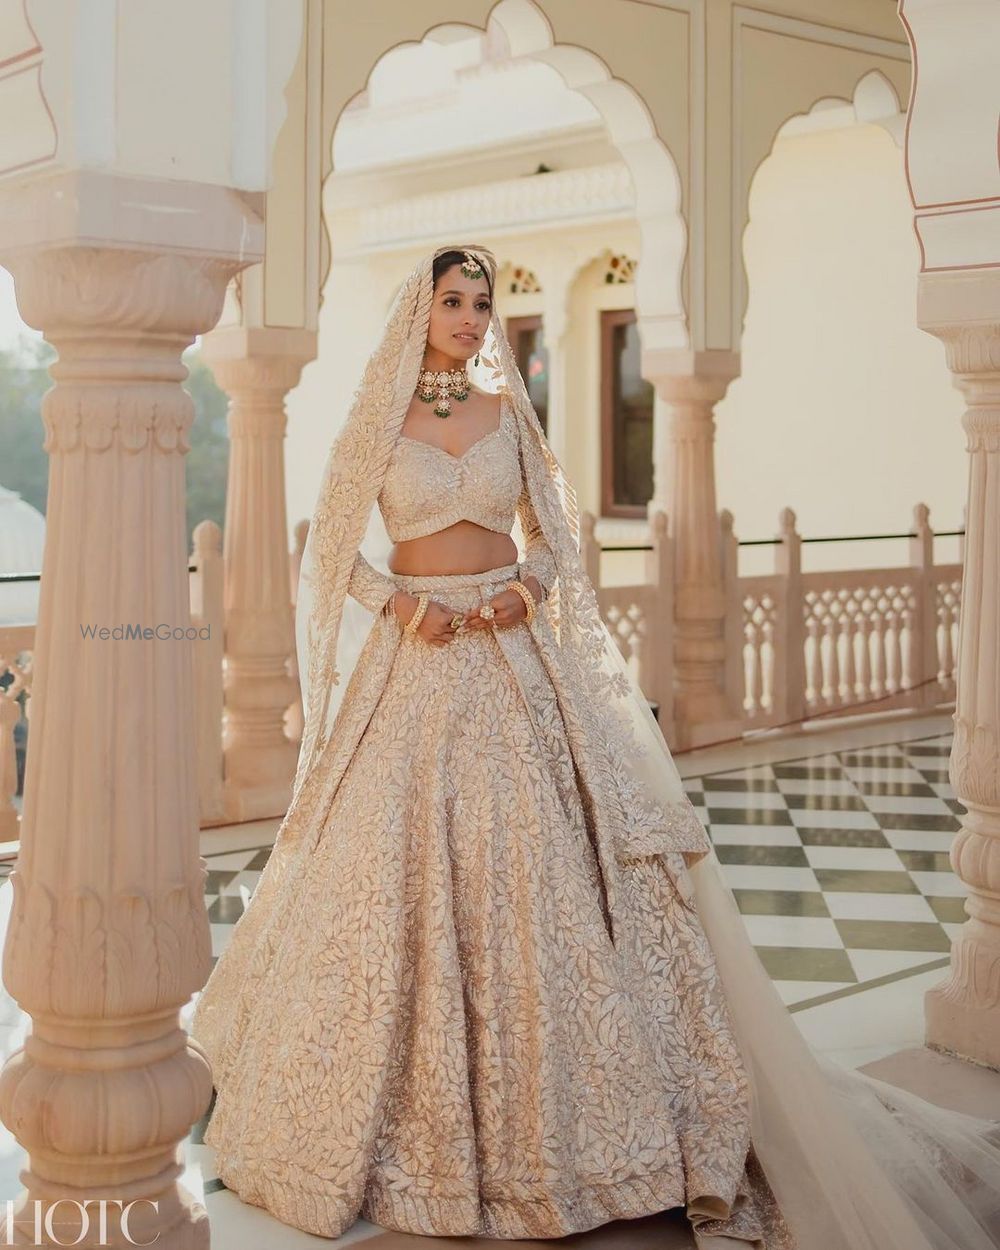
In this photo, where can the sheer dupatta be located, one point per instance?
(855, 1164)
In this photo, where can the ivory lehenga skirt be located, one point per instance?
(437, 1032)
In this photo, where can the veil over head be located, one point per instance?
(855, 1163)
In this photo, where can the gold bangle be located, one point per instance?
(418, 614)
(524, 570)
(528, 597)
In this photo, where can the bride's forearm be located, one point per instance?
(403, 605)
(535, 586)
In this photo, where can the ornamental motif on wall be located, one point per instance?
(620, 268)
(523, 282)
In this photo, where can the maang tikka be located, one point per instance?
(472, 268)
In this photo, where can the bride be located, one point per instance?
(492, 981)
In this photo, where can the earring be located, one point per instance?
(477, 358)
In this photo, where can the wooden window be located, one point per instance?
(532, 356)
(626, 419)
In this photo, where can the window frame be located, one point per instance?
(513, 326)
(610, 319)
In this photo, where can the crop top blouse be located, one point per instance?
(426, 489)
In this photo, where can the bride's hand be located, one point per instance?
(436, 628)
(508, 609)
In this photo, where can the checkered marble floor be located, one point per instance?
(839, 861)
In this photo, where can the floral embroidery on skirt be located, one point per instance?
(436, 1031)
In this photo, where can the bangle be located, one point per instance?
(418, 614)
(527, 596)
(524, 570)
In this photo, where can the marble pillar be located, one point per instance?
(703, 708)
(257, 367)
(108, 935)
(963, 1012)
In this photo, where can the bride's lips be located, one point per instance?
(471, 337)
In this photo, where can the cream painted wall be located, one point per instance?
(844, 409)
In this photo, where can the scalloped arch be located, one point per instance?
(873, 101)
(525, 32)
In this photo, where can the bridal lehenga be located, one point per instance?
(491, 981)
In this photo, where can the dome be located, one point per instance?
(22, 540)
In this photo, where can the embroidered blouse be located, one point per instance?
(427, 489)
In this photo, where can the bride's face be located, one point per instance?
(460, 314)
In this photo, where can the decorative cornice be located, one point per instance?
(969, 348)
(78, 288)
(120, 319)
(80, 952)
(94, 417)
(593, 192)
(975, 764)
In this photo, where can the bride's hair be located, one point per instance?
(445, 260)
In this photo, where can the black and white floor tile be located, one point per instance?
(839, 861)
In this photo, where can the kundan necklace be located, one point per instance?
(444, 387)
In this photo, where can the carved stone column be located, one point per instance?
(694, 386)
(257, 368)
(108, 934)
(963, 1012)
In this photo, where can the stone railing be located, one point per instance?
(639, 616)
(799, 644)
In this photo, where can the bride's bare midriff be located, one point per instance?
(464, 547)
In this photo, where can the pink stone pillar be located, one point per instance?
(692, 383)
(108, 934)
(963, 1012)
(257, 368)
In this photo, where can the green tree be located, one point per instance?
(208, 459)
(24, 379)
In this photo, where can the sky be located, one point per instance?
(12, 328)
